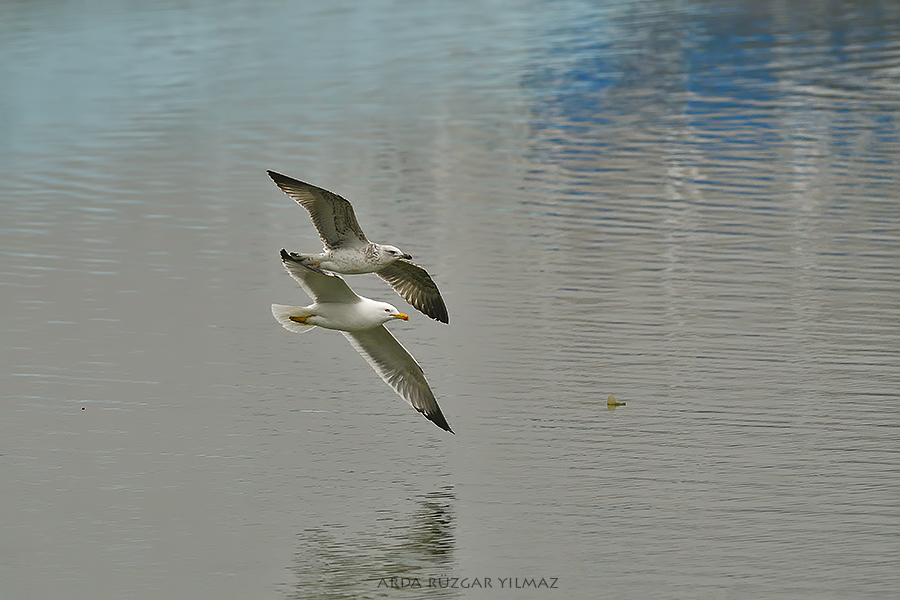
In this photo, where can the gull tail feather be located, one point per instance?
(283, 314)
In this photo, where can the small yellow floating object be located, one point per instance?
(612, 403)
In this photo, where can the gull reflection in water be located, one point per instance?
(339, 561)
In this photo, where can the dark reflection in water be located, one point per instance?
(391, 557)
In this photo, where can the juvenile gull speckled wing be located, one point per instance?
(416, 286)
(332, 215)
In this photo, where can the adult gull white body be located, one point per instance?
(361, 320)
(349, 251)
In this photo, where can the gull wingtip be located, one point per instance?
(439, 420)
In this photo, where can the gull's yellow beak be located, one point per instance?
(401, 316)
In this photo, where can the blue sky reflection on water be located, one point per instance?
(721, 69)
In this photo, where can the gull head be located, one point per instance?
(392, 253)
(385, 312)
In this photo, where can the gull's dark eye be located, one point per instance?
(387, 310)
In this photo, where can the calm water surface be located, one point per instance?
(691, 205)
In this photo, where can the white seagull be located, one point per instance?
(361, 320)
(349, 251)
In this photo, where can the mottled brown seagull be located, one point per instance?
(349, 251)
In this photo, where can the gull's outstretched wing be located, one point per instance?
(416, 286)
(332, 215)
(398, 369)
(321, 286)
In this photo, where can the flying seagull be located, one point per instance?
(361, 320)
(349, 251)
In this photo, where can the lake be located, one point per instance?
(693, 206)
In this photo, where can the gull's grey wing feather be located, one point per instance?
(321, 286)
(332, 215)
(417, 287)
(398, 369)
